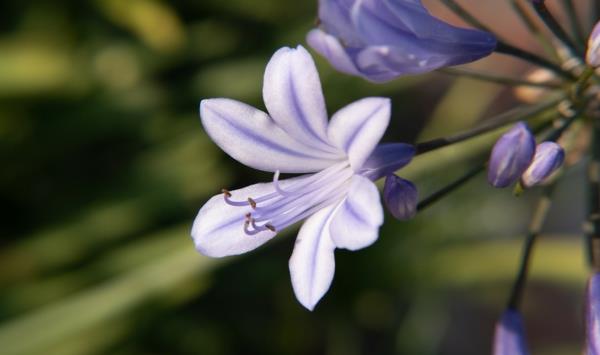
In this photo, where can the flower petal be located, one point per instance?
(312, 263)
(335, 19)
(355, 224)
(330, 47)
(386, 159)
(358, 127)
(219, 227)
(251, 137)
(293, 96)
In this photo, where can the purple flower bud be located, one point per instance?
(511, 155)
(509, 337)
(548, 157)
(400, 197)
(382, 40)
(593, 315)
(592, 57)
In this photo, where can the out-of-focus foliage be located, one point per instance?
(105, 163)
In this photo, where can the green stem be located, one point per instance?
(571, 12)
(539, 216)
(554, 26)
(533, 27)
(504, 48)
(517, 114)
(499, 79)
(434, 197)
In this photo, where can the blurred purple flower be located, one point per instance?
(338, 198)
(592, 56)
(593, 315)
(548, 157)
(511, 156)
(509, 338)
(400, 197)
(380, 40)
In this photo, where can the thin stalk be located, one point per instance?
(516, 114)
(499, 79)
(434, 197)
(533, 27)
(535, 226)
(571, 12)
(554, 26)
(504, 48)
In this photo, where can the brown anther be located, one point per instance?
(252, 203)
(226, 192)
(270, 227)
(248, 216)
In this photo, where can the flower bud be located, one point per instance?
(592, 56)
(548, 157)
(400, 197)
(592, 315)
(510, 156)
(509, 337)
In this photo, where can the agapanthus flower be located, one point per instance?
(509, 337)
(592, 56)
(380, 40)
(593, 315)
(340, 159)
(548, 157)
(511, 156)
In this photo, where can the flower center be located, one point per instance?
(295, 200)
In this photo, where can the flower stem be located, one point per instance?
(569, 8)
(539, 216)
(554, 26)
(434, 197)
(499, 79)
(504, 48)
(516, 114)
(533, 27)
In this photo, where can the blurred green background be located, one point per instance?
(105, 164)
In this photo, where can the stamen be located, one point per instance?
(270, 227)
(227, 195)
(226, 192)
(252, 203)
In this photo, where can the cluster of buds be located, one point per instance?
(515, 157)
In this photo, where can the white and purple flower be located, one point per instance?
(380, 40)
(340, 159)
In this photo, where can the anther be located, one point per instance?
(226, 192)
(270, 227)
(252, 203)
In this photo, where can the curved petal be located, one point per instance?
(293, 96)
(386, 159)
(358, 127)
(330, 47)
(218, 229)
(355, 224)
(251, 137)
(312, 263)
(335, 19)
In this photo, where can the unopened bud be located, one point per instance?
(400, 197)
(592, 56)
(511, 156)
(592, 315)
(509, 337)
(548, 157)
